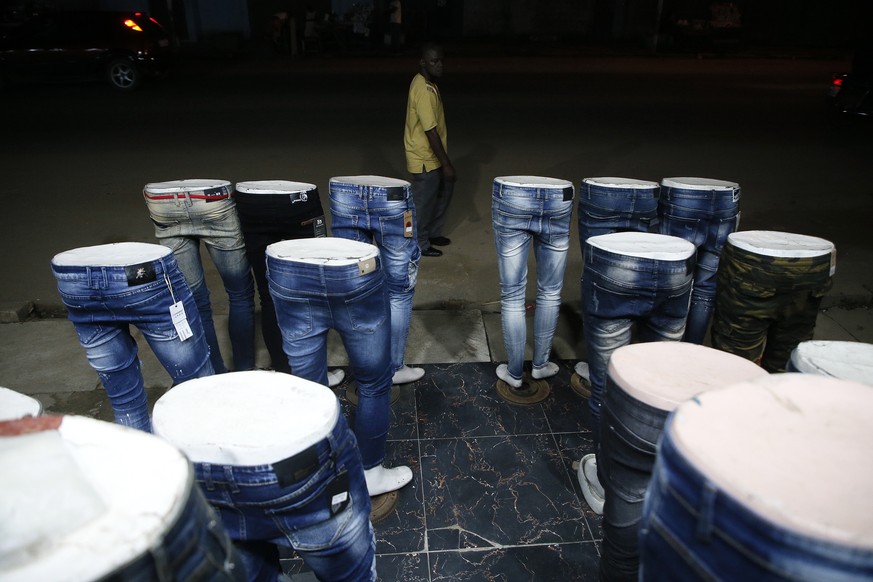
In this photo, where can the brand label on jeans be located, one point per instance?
(140, 274)
(366, 266)
(180, 321)
(319, 227)
(407, 224)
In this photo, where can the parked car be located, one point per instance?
(850, 95)
(121, 47)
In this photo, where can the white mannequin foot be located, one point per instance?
(406, 375)
(546, 371)
(503, 374)
(382, 480)
(582, 369)
(334, 377)
(592, 490)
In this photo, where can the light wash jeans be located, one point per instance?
(102, 304)
(265, 506)
(181, 224)
(312, 299)
(375, 214)
(619, 291)
(521, 215)
(704, 216)
(692, 531)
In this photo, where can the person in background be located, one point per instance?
(427, 158)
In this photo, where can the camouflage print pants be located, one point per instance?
(765, 305)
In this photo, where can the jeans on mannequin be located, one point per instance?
(766, 306)
(628, 444)
(604, 210)
(102, 306)
(310, 300)
(270, 218)
(523, 215)
(705, 218)
(691, 530)
(375, 214)
(261, 508)
(619, 292)
(181, 224)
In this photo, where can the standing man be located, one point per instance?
(433, 176)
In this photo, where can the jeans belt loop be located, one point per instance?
(707, 509)
(231, 482)
(207, 476)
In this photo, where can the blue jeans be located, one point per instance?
(265, 506)
(181, 224)
(631, 430)
(102, 306)
(196, 547)
(690, 530)
(521, 215)
(619, 291)
(606, 209)
(705, 218)
(432, 195)
(375, 214)
(310, 300)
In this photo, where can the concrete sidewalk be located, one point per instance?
(42, 357)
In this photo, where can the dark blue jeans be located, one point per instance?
(311, 299)
(621, 291)
(628, 443)
(616, 205)
(703, 212)
(103, 302)
(262, 507)
(196, 548)
(692, 531)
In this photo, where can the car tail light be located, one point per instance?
(132, 25)
(837, 81)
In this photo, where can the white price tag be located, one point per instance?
(180, 321)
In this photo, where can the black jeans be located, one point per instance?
(629, 436)
(270, 218)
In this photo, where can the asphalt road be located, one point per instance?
(74, 158)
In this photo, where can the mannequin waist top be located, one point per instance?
(644, 245)
(111, 255)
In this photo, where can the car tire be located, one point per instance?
(123, 74)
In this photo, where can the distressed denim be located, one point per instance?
(690, 530)
(102, 306)
(311, 299)
(375, 214)
(616, 205)
(269, 212)
(621, 291)
(522, 215)
(181, 224)
(766, 306)
(703, 212)
(262, 508)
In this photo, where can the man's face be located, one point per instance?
(433, 63)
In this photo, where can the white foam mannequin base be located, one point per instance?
(323, 251)
(620, 183)
(844, 360)
(644, 245)
(14, 405)
(273, 187)
(369, 180)
(771, 243)
(111, 255)
(180, 186)
(699, 184)
(533, 182)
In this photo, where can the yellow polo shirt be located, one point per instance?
(424, 111)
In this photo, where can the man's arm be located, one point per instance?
(436, 144)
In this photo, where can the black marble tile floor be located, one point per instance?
(494, 495)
